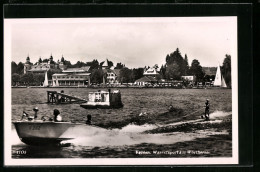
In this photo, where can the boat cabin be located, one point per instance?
(103, 99)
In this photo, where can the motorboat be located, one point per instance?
(39, 132)
(103, 99)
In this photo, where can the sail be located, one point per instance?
(217, 81)
(45, 83)
(223, 83)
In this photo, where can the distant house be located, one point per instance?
(189, 78)
(146, 80)
(112, 76)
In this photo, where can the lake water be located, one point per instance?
(129, 138)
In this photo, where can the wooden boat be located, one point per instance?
(103, 99)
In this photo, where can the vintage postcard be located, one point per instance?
(120, 91)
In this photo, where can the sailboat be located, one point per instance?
(219, 79)
(45, 83)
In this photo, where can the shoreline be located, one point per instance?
(124, 87)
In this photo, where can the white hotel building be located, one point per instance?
(72, 77)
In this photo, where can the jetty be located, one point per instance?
(55, 97)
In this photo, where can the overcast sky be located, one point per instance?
(136, 42)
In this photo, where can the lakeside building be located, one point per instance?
(112, 74)
(42, 67)
(146, 80)
(72, 77)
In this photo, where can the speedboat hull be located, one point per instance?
(43, 133)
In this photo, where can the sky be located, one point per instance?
(135, 42)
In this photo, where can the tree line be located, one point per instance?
(175, 66)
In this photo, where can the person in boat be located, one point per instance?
(89, 120)
(207, 105)
(30, 118)
(57, 116)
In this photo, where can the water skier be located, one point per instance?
(207, 105)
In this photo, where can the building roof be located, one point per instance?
(65, 74)
(146, 79)
(151, 71)
(115, 71)
(105, 64)
(76, 70)
(41, 67)
(59, 74)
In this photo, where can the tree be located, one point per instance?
(79, 64)
(97, 76)
(93, 65)
(163, 70)
(45, 60)
(226, 70)
(185, 65)
(110, 64)
(20, 68)
(176, 58)
(138, 73)
(173, 72)
(67, 63)
(119, 66)
(196, 70)
(15, 78)
(27, 78)
(14, 67)
(40, 60)
(50, 73)
(126, 75)
(38, 78)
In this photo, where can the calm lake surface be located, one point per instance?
(112, 142)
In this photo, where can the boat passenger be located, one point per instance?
(57, 116)
(207, 109)
(89, 119)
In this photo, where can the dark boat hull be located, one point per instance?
(86, 106)
(43, 141)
